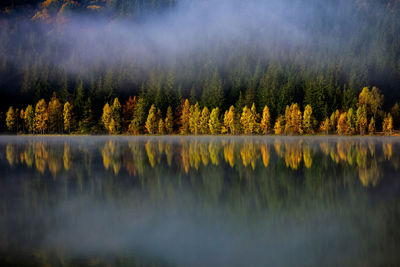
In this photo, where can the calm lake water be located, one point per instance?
(219, 201)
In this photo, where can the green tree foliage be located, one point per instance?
(361, 120)
(307, 120)
(194, 120)
(29, 116)
(169, 121)
(351, 122)
(55, 111)
(11, 119)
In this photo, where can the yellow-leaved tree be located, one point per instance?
(152, 121)
(361, 119)
(341, 127)
(205, 117)
(387, 125)
(41, 117)
(279, 126)
(184, 119)
(307, 120)
(107, 117)
(169, 121)
(214, 123)
(55, 111)
(371, 126)
(29, 116)
(11, 119)
(67, 116)
(194, 120)
(265, 124)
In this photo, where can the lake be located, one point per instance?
(203, 201)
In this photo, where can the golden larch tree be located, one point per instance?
(341, 127)
(205, 117)
(11, 119)
(184, 119)
(41, 117)
(55, 115)
(107, 117)
(387, 126)
(194, 120)
(265, 124)
(214, 123)
(169, 121)
(307, 120)
(29, 116)
(279, 125)
(152, 121)
(67, 116)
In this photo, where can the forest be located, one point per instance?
(200, 67)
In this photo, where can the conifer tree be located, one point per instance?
(230, 121)
(253, 123)
(127, 110)
(11, 119)
(214, 122)
(325, 125)
(224, 127)
(67, 117)
(307, 120)
(265, 124)
(139, 116)
(169, 121)
(41, 117)
(245, 120)
(152, 122)
(205, 117)
(184, 119)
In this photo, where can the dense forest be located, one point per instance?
(128, 66)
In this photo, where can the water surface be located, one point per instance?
(220, 201)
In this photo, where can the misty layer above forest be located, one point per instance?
(271, 53)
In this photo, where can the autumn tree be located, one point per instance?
(184, 119)
(248, 120)
(161, 126)
(293, 119)
(231, 121)
(205, 117)
(41, 117)
(194, 120)
(387, 126)
(279, 126)
(116, 115)
(325, 126)
(67, 117)
(307, 120)
(351, 122)
(152, 121)
(55, 111)
(361, 119)
(29, 116)
(11, 119)
(169, 121)
(107, 117)
(127, 110)
(371, 126)
(265, 124)
(341, 127)
(334, 120)
(214, 123)
(139, 117)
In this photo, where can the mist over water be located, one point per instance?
(199, 200)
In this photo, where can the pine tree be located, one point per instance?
(307, 120)
(214, 122)
(29, 116)
(169, 121)
(265, 121)
(139, 116)
(11, 119)
(41, 117)
(253, 123)
(67, 117)
(107, 117)
(205, 117)
(184, 119)
(245, 120)
(152, 122)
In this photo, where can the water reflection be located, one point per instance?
(189, 154)
(220, 201)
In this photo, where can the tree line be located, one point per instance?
(134, 117)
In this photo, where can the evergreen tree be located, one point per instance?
(213, 94)
(29, 116)
(55, 111)
(116, 115)
(361, 119)
(139, 116)
(351, 122)
(341, 127)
